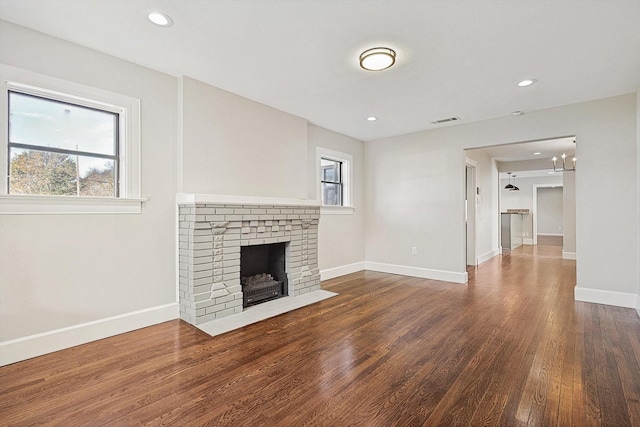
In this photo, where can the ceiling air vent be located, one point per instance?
(450, 119)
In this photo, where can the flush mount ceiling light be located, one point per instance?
(526, 82)
(372, 118)
(517, 113)
(160, 19)
(537, 153)
(377, 59)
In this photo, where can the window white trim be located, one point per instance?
(128, 109)
(347, 180)
(51, 205)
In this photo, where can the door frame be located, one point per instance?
(471, 206)
(534, 210)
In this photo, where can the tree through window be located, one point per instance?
(61, 148)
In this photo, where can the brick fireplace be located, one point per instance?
(212, 231)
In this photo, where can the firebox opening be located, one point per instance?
(263, 273)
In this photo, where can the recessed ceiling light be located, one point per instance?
(377, 59)
(160, 18)
(372, 118)
(526, 82)
(537, 153)
(517, 113)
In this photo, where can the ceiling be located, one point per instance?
(454, 58)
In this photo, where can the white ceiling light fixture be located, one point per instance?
(377, 59)
(372, 118)
(537, 153)
(526, 82)
(160, 19)
(517, 113)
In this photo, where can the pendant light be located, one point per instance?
(514, 185)
(508, 186)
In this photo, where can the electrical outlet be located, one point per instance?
(414, 250)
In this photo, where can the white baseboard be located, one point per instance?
(568, 255)
(638, 305)
(47, 342)
(551, 234)
(331, 273)
(489, 255)
(425, 273)
(598, 296)
(527, 241)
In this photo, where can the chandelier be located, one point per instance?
(564, 167)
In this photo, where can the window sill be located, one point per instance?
(69, 205)
(336, 210)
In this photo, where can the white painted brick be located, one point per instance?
(219, 293)
(206, 318)
(235, 289)
(225, 299)
(245, 230)
(235, 303)
(229, 276)
(231, 244)
(224, 211)
(228, 270)
(232, 282)
(258, 211)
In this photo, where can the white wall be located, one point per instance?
(232, 145)
(638, 184)
(414, 191)
(61, 271)
(487, 212)
(341, 236)
(550, 210)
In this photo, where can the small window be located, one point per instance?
(335, 181)
(331, 182)
(59, 148)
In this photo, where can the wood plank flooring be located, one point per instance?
(512, 348)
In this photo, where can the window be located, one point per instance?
(67, 148)
(331, 182)
(334, 186)
(59, 148)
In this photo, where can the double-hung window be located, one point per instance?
(67, 148)
(331, 182)
(59, 148)
(335, 186)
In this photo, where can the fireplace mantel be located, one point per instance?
(222, 199)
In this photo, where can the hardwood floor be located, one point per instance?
(512, 348)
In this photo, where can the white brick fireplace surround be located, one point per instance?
(213, 228)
